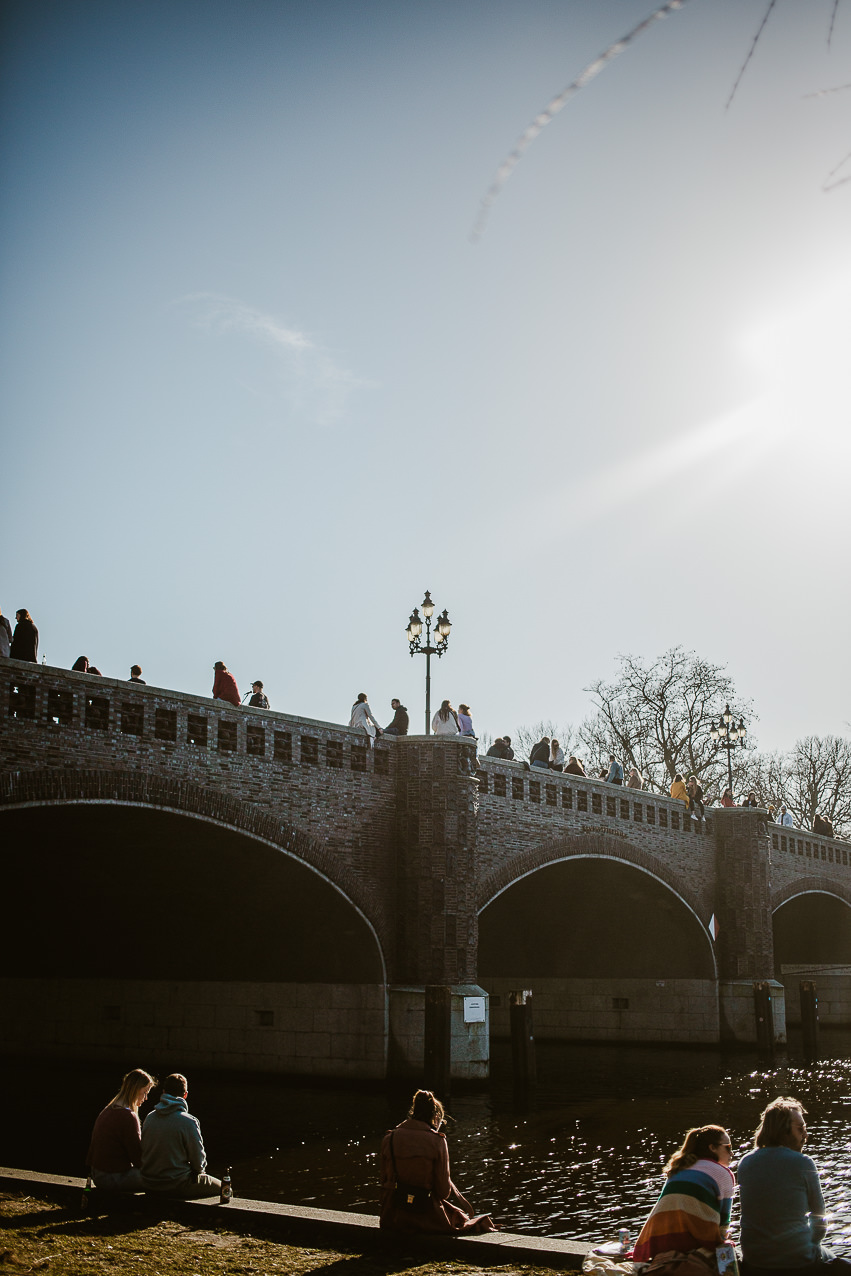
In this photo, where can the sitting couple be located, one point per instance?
(166, 1155)
(781, 1201)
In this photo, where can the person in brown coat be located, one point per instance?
(417, 1194)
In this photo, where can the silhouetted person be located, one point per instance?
(136, 675)
(24, 645)
(80, 665)
(540, 755)
(501, 748)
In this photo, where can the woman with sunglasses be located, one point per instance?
(693, 1211)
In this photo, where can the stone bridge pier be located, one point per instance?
(189, 883)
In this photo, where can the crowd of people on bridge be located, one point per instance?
(783, 1224)
(547, 754)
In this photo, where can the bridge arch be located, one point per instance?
(812, 924)
(222, 814)
(613, 853)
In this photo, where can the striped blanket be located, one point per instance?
(693, 1205)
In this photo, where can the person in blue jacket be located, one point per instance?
(782, 1205)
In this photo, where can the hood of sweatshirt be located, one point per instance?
(168, 1104)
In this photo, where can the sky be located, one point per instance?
(261, 387)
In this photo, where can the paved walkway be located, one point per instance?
(337, 1229)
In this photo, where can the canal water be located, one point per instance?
(580, 1158)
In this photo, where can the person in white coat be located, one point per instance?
(445, 721)
(363, 719)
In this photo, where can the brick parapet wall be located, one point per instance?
(653, 832)
(296, 782)
(799, 857)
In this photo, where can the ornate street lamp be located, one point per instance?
(413, 633)
(727, 735)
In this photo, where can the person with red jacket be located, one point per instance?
(224, 685)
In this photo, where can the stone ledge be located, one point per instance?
(299, 1224)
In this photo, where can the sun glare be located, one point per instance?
(800, 358)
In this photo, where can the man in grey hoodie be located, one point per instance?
(173, 1156)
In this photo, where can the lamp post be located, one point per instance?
(727, 735)
(414, 632)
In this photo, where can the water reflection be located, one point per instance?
(583, 1158)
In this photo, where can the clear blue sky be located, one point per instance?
(260, 389)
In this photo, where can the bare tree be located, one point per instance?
(659, 718)
(813, 778)
(818, 781)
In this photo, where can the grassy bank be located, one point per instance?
(39, 1236)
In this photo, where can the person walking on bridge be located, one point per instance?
(615, 772)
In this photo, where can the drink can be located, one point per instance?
(623, 1237)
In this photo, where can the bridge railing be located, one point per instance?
(86, 715)
(806, 845)
(578, 795)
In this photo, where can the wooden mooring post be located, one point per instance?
(809, 1016)
(437, 1052)
(764, 1015)
(522, 1039)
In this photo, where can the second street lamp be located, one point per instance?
(727, 735)
(414, 635)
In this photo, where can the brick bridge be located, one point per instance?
(248, 889)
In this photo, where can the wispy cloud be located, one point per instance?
(311, 379)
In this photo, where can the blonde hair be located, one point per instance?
(131, 1093)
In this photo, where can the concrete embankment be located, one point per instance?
(301, 1225)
